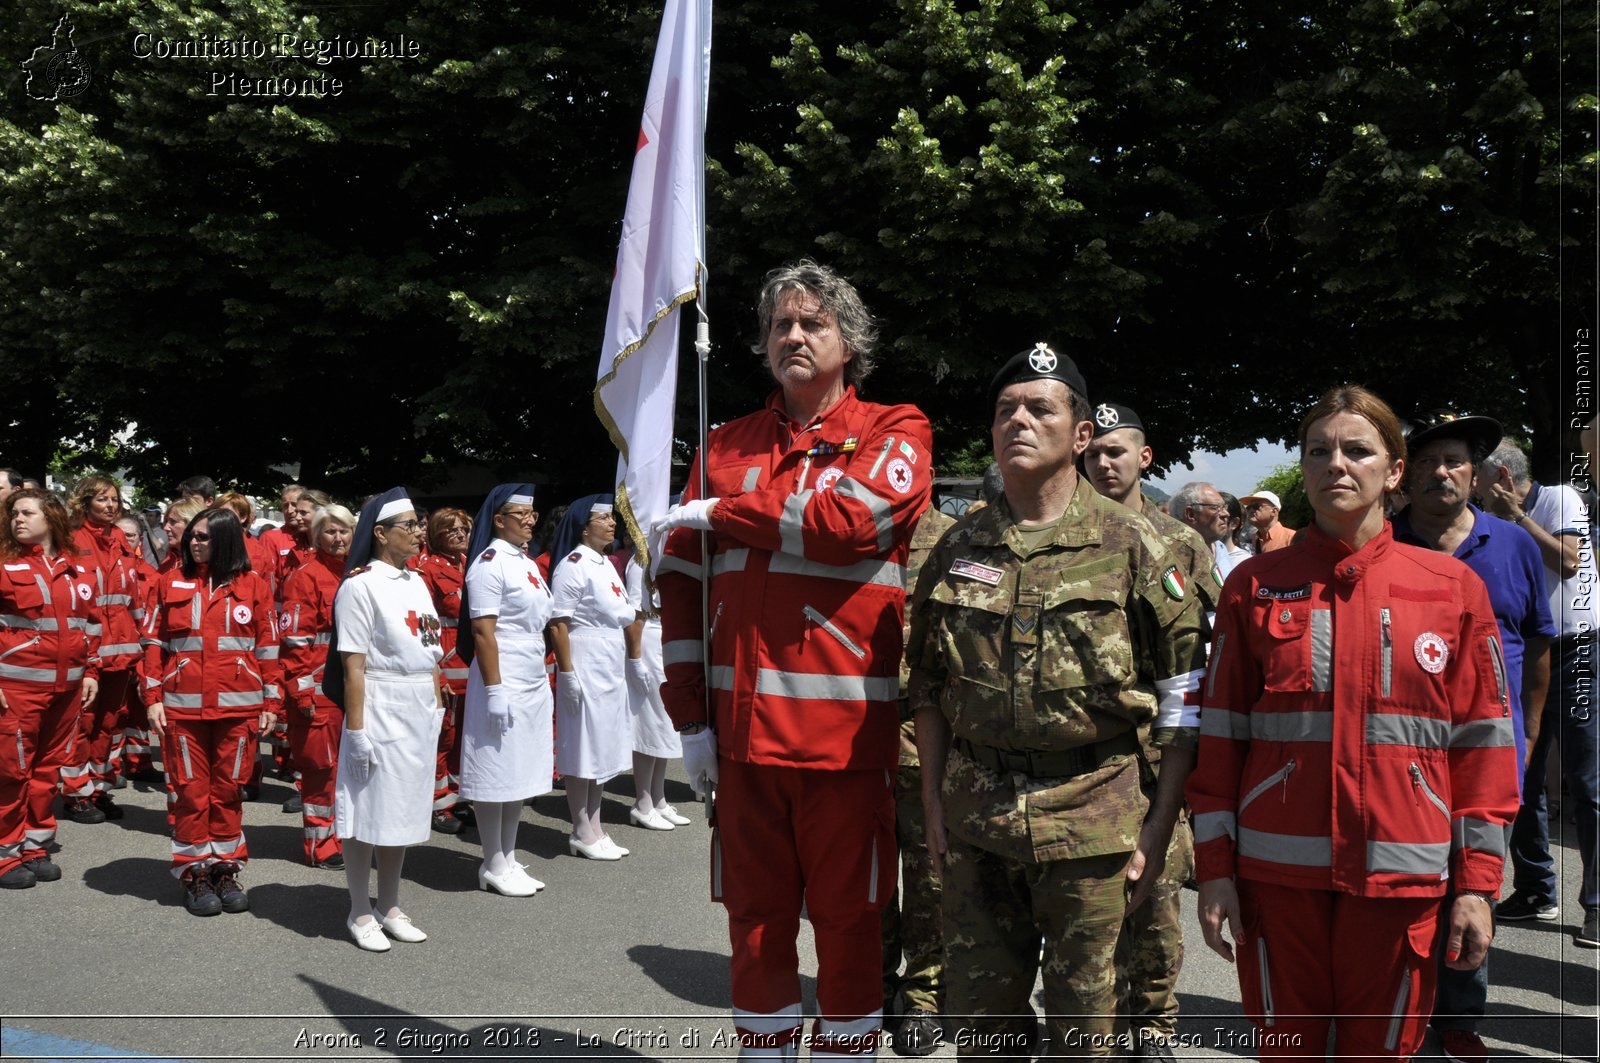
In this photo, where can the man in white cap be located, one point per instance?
(1271, 534)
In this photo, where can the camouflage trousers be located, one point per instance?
(996, 911)
(911, 921)
(1150, 950)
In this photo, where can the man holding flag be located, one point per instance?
(810, 506)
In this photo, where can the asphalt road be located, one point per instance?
(628, 959)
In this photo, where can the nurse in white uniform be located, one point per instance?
(386, 634)
(506, 726)
(593, 634)
(655, 740)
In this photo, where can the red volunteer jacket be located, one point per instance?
(807, 584)
(50, 626)
(444, 579)
(1355, 728)
(212, 653)
(263, 562)
(306, 629)
(116, 570)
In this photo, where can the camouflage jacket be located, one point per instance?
(930, 526)
(1080, 643)
(1197, 560)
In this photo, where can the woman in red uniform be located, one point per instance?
(138, 748)
(95, 503)
(211, 642)
(49, 631)
(173, 523)
(1355, 752)
(315, 722)
(264, 563)
(444, 571)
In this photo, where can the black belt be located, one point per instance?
(1051, 764)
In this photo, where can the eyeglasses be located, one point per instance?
(527, 515)
(457, 530)
(405, 525)
(200, 537)
(1210, 505)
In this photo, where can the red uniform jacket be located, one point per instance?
(1355, 728)
(212, 653)
(116, 570)
(263, 562)
(807, 584)
(306, 628)
(50, 626)
(445, 578)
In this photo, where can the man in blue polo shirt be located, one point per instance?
(1443, 452)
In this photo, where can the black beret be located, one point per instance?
(1038, 362)
(1110, 416)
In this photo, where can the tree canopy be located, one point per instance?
(1218, 209)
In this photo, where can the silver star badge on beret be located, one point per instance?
(1043, 359)
(1105, 416)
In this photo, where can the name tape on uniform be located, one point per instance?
(973, 570)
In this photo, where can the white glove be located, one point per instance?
(640, 680)
(498, 705)
(696, 514)
(700, 760)
(569, 692)
(358, 755)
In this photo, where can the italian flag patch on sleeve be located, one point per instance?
(1172, 583)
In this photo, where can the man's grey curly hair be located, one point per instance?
(838, 296)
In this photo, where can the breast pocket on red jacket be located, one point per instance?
(178, 609)
(1416, 648)
(1285, 644)
(23, 589)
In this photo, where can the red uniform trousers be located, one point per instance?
(447, 773)
(36, 733)
(1315, 959)
(314, 745)
(89, 769)
(787, 837)
(207, 761)
(138, 744)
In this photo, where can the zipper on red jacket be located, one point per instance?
(1500, 683)
(1388, 653)
(1418, 783)
(19, 647)
(1279, 776)
(815, 617)
(883, 454)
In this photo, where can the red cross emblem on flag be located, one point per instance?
(616, 590)
(533, 579)
(1432, 652)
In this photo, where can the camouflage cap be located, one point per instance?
(1038, 362)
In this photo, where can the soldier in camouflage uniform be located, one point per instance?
(1150, 952)
(911, 918)
(1045, 631)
